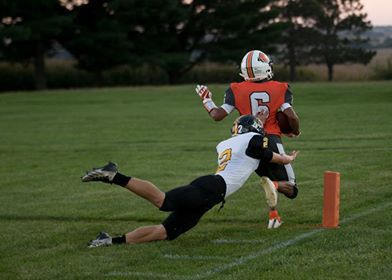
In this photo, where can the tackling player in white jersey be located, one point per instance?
(238, 157)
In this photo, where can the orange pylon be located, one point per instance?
(331, 199)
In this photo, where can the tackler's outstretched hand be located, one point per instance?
(293, 155)
(284, 158)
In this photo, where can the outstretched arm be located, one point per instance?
(284, 159)
(216, 113)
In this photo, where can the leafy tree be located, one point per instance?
(298, 37)
(340, 25)
(27, 30)
(96, 38)
(177, 35)
(240, 26)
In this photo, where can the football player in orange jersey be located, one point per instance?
(260, 96)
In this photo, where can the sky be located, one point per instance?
(379, 11)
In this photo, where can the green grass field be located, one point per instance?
(47, 216)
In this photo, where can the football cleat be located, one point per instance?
(103, 239)
(271, 194)
(274, 223)
(274, 220)
(103, 174)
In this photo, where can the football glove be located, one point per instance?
(203, 92)
(205, 95)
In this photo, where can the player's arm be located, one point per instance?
(258, 149)
(288, 110)
(216, 113)
(283, 159)
(293, 119)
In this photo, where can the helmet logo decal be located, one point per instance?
(262, 57)
(249, 68)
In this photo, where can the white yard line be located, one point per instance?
(245, 259)
(235, 241)
(147, 275)
(187, 257)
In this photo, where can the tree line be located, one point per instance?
(176, 35)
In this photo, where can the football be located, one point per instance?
(283, 123)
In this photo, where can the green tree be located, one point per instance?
(298, 37)
(96, 38)
(27, 31)
(340, 25)
(177, 35)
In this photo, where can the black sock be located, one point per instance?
(119, 239)
(121, 180)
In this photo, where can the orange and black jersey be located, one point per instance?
(253, 97)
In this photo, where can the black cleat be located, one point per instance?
(103, 174)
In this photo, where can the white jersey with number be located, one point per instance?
(233, 164)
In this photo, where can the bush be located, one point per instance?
(64, 74)
(303, 74)
(16, 77)
(208, 73)
(383, 72)
(126, 75)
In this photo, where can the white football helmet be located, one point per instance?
(256, 66)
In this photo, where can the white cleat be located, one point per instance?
(271, 194)
(274, 223)
(103, 174)
(103, 239)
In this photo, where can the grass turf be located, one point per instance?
(48, 139)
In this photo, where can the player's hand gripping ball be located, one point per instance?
(283, 123)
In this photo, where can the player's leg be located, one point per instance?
(146, 234)
(271, 196)
(174, 225)
(189, 204)
(146, 190)
(287, 188)
(109, 174)
(203, 192)
(179, 222)
(139, 235)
